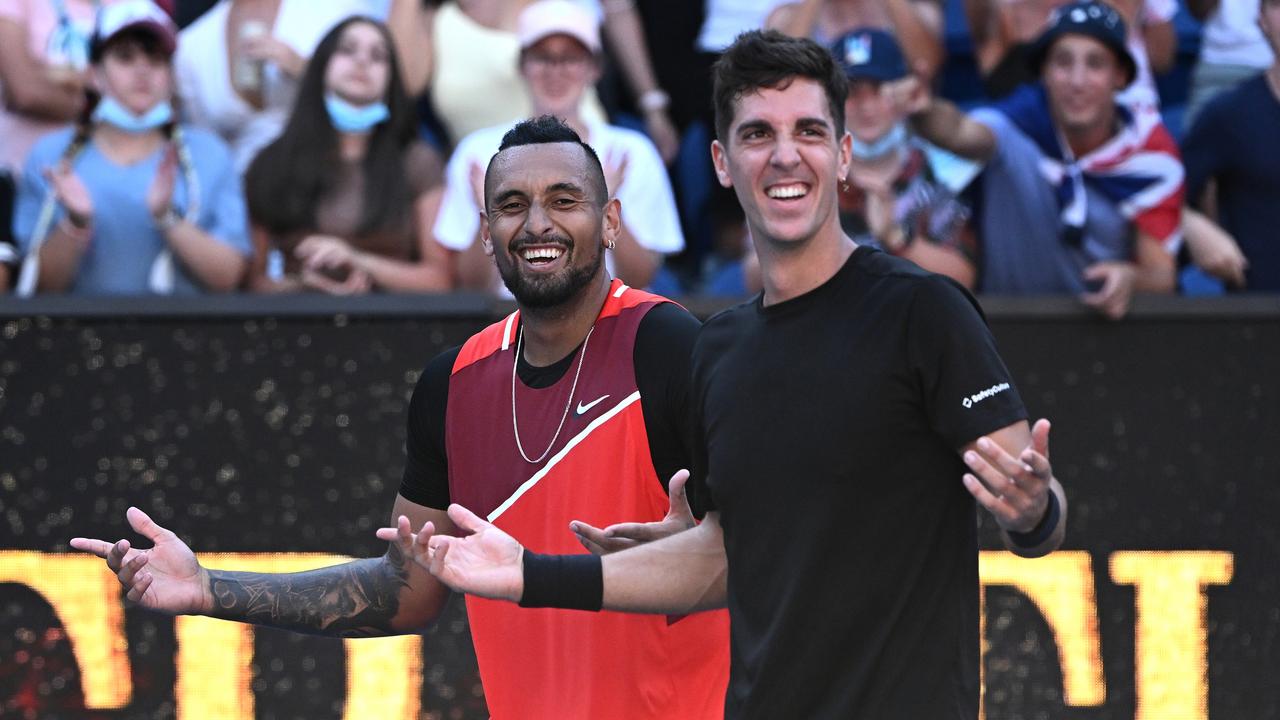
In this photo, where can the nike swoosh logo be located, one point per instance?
(582, 408)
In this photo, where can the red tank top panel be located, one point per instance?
(563, 664)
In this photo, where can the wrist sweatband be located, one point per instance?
(1042, 530)
(570, 582)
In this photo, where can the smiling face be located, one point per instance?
(547, 221)
(360, 67)
(136, 78)
(1081, 76)
(558, 69)
(782, 156)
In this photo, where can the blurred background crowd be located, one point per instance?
(1022, 147)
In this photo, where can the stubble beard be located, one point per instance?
(548, 291)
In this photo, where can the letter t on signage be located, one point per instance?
(1172, 627)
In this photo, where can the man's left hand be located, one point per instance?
(627, 535)
(1013, 489)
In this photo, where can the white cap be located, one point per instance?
(557, 17)
(115, 18)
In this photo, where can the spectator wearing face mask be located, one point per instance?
(1081, 195)
(238, 66)
(344, 193)
(895, 196)
(44, 53)
(128, 201)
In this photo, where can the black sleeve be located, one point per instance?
(965, 387)
(1202, 151)
(426, 468)
(664, 345)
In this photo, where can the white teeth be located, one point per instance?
(787, 191)
(542, 253)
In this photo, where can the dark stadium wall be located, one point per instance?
(273, 439)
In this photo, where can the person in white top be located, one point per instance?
(1232, 49)
(559, 59)
(238, 66)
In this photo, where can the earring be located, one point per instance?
(610, 244)
(844, 184)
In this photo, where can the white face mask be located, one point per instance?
(895, 138)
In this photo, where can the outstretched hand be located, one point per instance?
(412, 545)
(483, 561)
(625, 535)
(166, 577)
(1014, 490)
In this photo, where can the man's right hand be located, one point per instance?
(166, 578)
(482, 561)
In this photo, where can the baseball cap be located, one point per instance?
(557, 17)
(1091, 19)
(869, 54)
(143, 15)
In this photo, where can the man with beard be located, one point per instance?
(849, 421)
(573, 407)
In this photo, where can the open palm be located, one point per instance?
(484, 562)
(165, 577)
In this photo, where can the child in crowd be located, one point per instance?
(128, 201)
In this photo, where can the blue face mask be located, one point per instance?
(890, 141)
(354, 118)
(110, 111)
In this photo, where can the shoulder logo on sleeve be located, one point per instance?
(978, 397)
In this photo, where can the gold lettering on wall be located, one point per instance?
(1061, 587)
(86, 598)
(384, 675)
(1171, 632)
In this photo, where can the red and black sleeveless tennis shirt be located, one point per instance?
(545, 663)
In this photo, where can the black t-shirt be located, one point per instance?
(830, 425)
(664, 342)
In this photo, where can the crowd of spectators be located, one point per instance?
(339, 146)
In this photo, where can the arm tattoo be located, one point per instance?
(355, 599)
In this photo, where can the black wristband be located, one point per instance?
(1043, 529)
(570, 582)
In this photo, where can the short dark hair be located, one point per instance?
(549, 129)
(769, 59)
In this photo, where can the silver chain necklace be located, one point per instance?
(515, 423)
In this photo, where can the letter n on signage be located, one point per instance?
(1061, 586)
